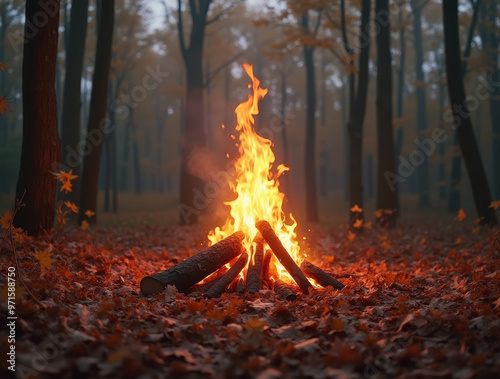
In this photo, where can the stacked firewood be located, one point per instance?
(210, 264)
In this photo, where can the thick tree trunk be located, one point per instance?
(462, 122)
(97, 112)
(386, 196)
(71, 107)
(310, 147)
(423, 169)
(193, 136)
(41, 146)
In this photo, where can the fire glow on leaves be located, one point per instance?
(256, 186)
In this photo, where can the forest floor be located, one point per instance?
(419, 302)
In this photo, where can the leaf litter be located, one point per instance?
(417, 304)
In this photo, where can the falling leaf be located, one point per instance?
(72, 207)
(422, 241)
(356, 209)
(350, 236)
(89, 213)
(368, 225)
(329, 259)
(386, 244)
(65, 178)
(85, 225)
(6, 220)
(378, 213)
(461, 215)
(495, 204)
(45, 259)
(4, 106)
(3, 66)
(358, 223)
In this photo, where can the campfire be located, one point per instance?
(256, 248)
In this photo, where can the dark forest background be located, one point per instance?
(357, 89)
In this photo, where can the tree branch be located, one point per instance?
(224, 11)
(180, 29)
(221, 67)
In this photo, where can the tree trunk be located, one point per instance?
(357, 109)
(124, 166)
(423, 169)
(71, 107)
(370, 178)
(454, 201)
(135, 156)
(193, 136)
(490, 42)
(4, 24)
(462, 122)
(398, 147)
(386, 196)
(310, 148)
(41, 145)
(97, 113)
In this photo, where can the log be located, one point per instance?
(254, 273)
(208, 283)
(284, 290)
(195, 268)
(320, 276)
(219, 287)
(285, 259)
(265, 269)
(240, 286)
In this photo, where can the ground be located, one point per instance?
(419, 302)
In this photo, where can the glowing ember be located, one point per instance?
(256, 187)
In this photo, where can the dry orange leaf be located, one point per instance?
(461, 215)
(350, 236)
(356, 209)
(44, 257)
(358, 223)
(6, 219)
(4, 106)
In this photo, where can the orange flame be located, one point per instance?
(256, 187)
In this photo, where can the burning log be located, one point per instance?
(195, 268)
(219, 287)
(284, 290)
(320, 276)
(285, 259)
(254, 273)
(208, 283)
(265, 269)
(240, 286)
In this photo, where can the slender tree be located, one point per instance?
(71, 107)
(386, 196)
(357, 107)
(456, 163)
(462, 122)
(41, 146)
(422, 170)
(310, 148)
(490, 41)
(97, 112)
